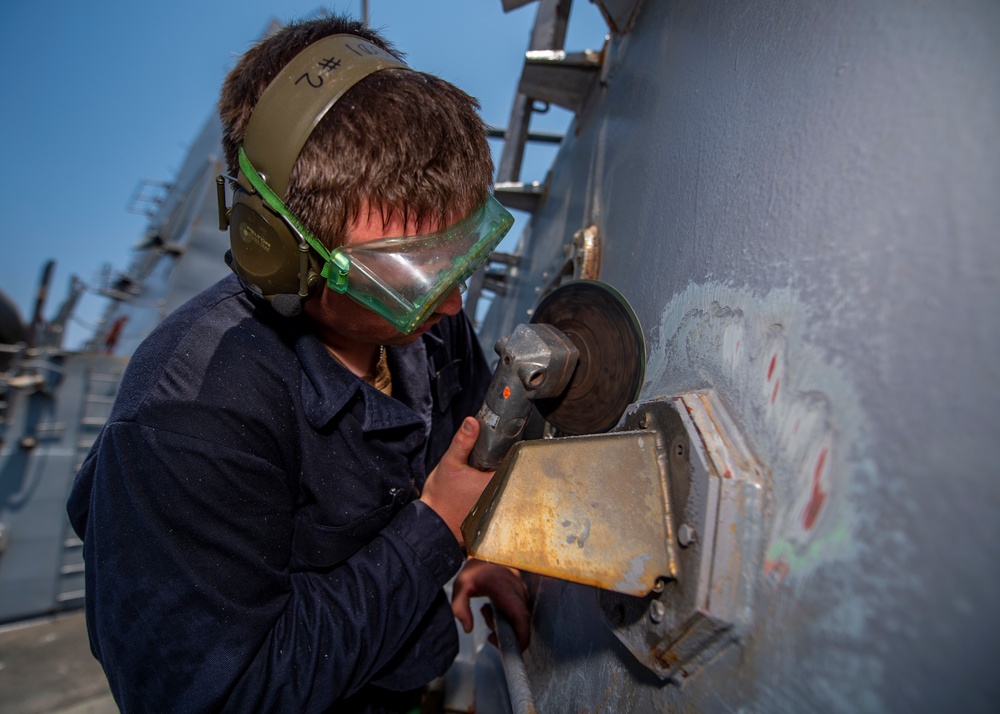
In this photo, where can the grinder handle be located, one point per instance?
(501, 418)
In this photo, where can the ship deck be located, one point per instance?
(46, 668)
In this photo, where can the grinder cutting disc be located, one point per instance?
(612, 365)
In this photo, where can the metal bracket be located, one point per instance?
(583, 255)
(663, 514)
(715, 486)
(562, 78)
(520, 196)
(588, 509)
(619, 14)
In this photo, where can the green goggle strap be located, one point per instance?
(336, 265)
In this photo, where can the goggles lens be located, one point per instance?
(405, 279)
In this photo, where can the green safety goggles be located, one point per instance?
(402, 279)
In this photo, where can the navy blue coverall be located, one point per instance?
(252, 537)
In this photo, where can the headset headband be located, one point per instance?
(300, 96)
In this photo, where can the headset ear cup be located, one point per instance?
(266, 253)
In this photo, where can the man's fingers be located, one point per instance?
(507, 591)
(462, 608)
(520, 622)
(464, 441)
(522, 628)
(453, 487)
(487, 611)
(515, 609)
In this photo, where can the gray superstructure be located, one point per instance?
(55, 401)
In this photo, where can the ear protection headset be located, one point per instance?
(270, 250)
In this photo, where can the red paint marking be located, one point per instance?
(728, 474)
(770, 370)
(776, 567)
(818, 494)
(506, 392)
(774, 392)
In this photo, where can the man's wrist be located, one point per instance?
(429, 536)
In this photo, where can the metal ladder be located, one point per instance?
(100, 384)
(549, 76)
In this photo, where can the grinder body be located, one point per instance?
(580, 362)
(536, 361)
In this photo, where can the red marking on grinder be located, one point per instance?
(506, 392)
(770, 369)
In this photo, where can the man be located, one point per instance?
(274, 505)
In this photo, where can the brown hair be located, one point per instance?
(399, 142)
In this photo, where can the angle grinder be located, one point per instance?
(580, 361)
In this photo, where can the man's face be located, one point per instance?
(340, 319)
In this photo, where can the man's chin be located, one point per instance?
(400, 340)
(425, 326)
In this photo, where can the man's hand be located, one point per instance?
(453, 487)
(502, 585)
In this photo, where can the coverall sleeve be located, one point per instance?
(191, 602)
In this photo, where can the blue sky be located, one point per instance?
(102, 94)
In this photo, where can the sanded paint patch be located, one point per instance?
(783, 557)
(798, 409)
(801, 417)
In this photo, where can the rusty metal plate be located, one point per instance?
(556, 507)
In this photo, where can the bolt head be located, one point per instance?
(685, 535)
(657, 611)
